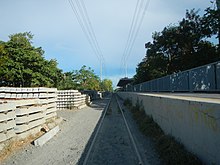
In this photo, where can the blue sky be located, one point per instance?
(57, 31)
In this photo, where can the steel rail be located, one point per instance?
(98, 129)
(130, 134)
(128, 129)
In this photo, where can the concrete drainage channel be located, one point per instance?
(113, 142)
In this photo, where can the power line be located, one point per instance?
(82, 16)
(137, 21)
(138, 28)
(82, 26)
(102, 60)
(129, 34)
(93, 33)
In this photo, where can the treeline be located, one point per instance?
(84, 79)
(181, 46)
(23, 65)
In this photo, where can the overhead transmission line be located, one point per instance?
(80, 11)
(137, 20)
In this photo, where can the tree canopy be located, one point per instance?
(84, 79)
(23, 65)
(181, 46)
(106, 85)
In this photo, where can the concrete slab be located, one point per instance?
(46, 137)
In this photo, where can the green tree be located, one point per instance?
(106, 85)
(67, 82)
(181, 46)
(24, 65)
(85, 79)
(211, 23)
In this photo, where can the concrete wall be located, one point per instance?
(195, 122)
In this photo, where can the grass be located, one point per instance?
(127, 103)
(170, 151)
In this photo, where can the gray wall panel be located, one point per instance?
(218, 76)
(202, 78)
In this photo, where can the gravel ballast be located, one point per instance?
(113, 144)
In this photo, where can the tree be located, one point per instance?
(24, 65)
(181, 46)
(211, 22)
(67, 82)
(86, 79)
(106, 85)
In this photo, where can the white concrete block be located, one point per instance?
(46, 137)
(28, 126)
(7, 89)
(51, 115)
(13, 95)
(19, 95)
(24, 95)
(25, 102)
(34, 90)
(2, 89)
(29, 110)
(7, 106)
(28, 132)
(13, 90)
(7, 95)
(4, 126)
(2, 95)
(7, 116)
(7, 135)
(50, 110)
(18, 90)
(28, 118)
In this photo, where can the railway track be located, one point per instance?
(113, 142)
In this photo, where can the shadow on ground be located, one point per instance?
(97, 105)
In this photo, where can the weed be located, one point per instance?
(127, 103)
(171, 152)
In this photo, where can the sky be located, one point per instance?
(57, 31)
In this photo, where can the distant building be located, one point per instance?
(124, 83)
